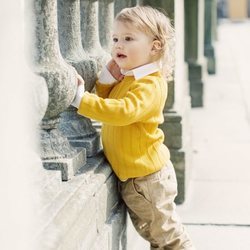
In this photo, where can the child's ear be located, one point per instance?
(156, 47)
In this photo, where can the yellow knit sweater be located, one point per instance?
(130, 112)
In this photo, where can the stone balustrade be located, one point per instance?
(84, 211)
(77, 129)
(47, 61)
(106, 18)
(90, 32)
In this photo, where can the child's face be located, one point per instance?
(131, 47)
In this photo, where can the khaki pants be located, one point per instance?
(150, 203)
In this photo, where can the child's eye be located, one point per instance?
(115, 40)
(128, 38)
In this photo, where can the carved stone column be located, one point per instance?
(69, 28)
(106, 19)
(78, 129)
(176, 125)
(56, 152)
(194, 37)
(209, 52)
(119, 5)
(90, 32)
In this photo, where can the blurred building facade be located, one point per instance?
(233, 9)
(78, 205)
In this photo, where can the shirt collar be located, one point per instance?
(142, 70)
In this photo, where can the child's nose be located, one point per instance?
(118, 45)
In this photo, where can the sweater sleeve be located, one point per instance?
(105, 83)
(103, 90)
(138, 103)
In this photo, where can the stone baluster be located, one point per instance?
(78, 129)
(194, 37)
(56, 151)
(119, 5)
(90, 32)
(176, 125)
(209, 51)
(69, 28)
(106, 19)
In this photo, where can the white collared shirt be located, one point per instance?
(142, 71)
(106, 77)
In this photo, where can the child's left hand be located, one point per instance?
(115, 70)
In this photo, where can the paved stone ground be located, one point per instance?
(217, 209)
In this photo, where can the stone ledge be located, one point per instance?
(84, 205)
(68, 166)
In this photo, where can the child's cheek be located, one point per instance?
(112, 52)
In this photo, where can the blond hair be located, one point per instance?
(155, 23)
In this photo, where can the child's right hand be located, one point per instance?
(115, 70)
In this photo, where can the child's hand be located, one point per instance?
(114, 70)
(79, 92)
(80, 80)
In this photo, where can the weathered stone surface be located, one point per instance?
(47, 60)
(46, 186)
(168, 6)
(90, 32)
(119, 226)
(61, 84)
(57, 153)
(103, 241)
(113, 234)
(106, 19)
(78, 214)
(106, 201)
(74, 126)
(119, 5)
(67, 166)
(69, 28)
(80, 132)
